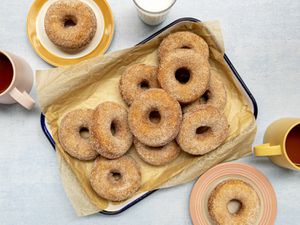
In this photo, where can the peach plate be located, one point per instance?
(53, 55)
(208, 181)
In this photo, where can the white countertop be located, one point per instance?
(262, 38)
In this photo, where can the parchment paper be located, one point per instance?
(91, 82)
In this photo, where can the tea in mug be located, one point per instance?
(292, 144)
(6, 73)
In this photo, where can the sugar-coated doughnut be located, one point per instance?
(202, 130)
(73, 134)
(110, 134)
(115, 179)
(215, 96)
(183, 40)
(70, 24)
(154, 117)
(136, 79)
(234, 190)
(157, 156)
(184, 74)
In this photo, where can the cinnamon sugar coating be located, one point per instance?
(110, 134)
(69, 135)
(157, 156)
(136, 79)
(184, 74)
(70, 24)
(183, 40)
(202, 130)
(115, 179)
(165, 124)
(215, 96)
(237, 190)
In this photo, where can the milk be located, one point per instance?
(153, 12)
(154, 5)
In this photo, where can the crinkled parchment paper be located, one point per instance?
(91, 82)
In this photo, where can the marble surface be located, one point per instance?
(262, 38)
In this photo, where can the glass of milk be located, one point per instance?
(153, 12)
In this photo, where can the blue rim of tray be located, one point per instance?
(238, 77)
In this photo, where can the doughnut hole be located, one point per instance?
(205, 97)
(234, 206)
(202, 130)
(84, 132)
(144, 85)
(70, 21)
(113, 128)
(154, 116)
(185, 47)
(182, 75)
(114, 176)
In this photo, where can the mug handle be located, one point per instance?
(267, 150)
(23, 98)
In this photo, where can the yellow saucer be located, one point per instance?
(60, 59)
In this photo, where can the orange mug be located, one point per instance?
(16, 80)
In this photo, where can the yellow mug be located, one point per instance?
(282, 143)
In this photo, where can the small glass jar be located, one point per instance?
(153, 12)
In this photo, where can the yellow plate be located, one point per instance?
(57, 60)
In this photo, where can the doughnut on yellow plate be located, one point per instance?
(54, 55)
(225, 171)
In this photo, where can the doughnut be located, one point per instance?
(184, 74)
(110, 134)
(73, 134)
(183, 40)
(154, 117)
(234, 190)
(202, 130)
(115, 179)
(70, 24)
(157, 156)
(136, 79)
(215, 96)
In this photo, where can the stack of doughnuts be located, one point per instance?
(181, 105)
(173, 107)
(103, 134)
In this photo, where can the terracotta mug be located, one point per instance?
(16, 80)
(282, 143)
